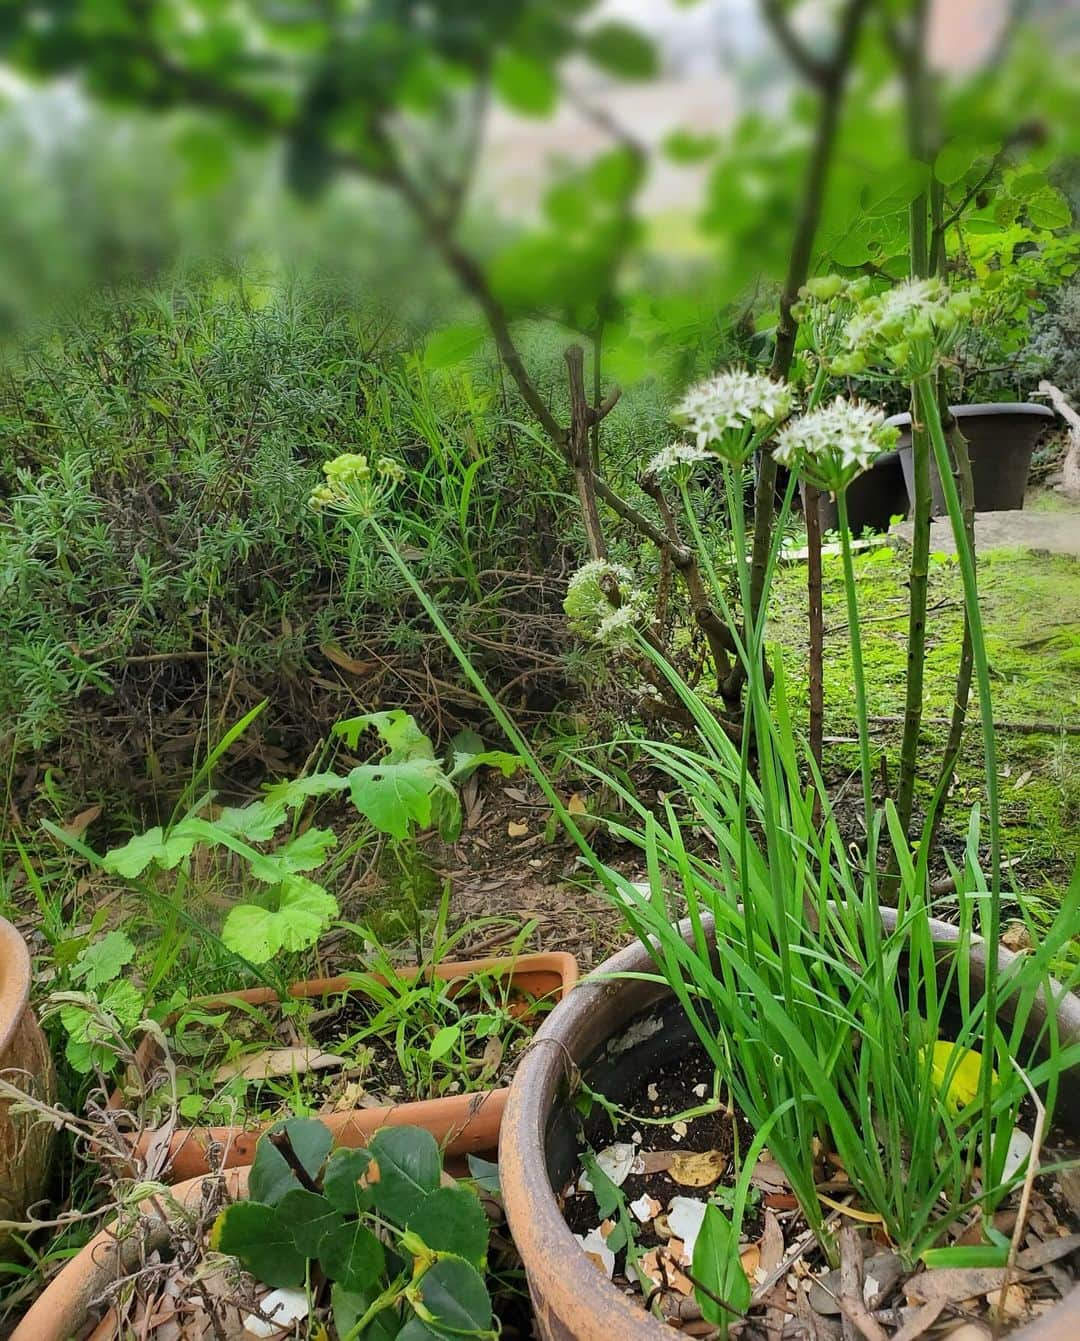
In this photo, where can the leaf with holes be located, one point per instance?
(394, 795)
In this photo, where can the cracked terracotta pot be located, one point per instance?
(461, 1123)
(25, 1062)
(537, 1150)
(70, 1304)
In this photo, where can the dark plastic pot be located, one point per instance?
(537, 1149)
(1001, 438)
(873, 498)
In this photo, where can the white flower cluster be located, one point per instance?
(904, 327)
(355, 487)
(832, 445)
(594, 614)
(678, 460)
(724, 410)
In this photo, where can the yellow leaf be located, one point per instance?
(866, 1217)
(963, 1086)
(576, 805)
(516, 829)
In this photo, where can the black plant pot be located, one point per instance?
(873, 498)
(1001, 438)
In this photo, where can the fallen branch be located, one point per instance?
(1017, 728)
(1070, 469)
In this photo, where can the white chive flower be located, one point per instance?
(905, 327)
(679, 460)
(355, 486)
(830, 446)
(604, 604)
(725, 412)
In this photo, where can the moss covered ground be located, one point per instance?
(1031, 605)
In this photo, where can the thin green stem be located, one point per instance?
(926, 397)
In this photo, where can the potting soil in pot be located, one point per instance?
(666, 1170)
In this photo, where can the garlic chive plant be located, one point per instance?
(846, 1029)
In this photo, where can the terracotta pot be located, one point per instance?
(461, 1123)
(25, 1061)
(537, 1151)
(1001, 437)
(65, 1308)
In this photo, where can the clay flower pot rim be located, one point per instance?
(572, 1300)
(461, 1123)
(1020, 407)
(14, 981)
(60, 1311)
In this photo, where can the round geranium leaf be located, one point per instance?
(452, 1220)
(409, 1168)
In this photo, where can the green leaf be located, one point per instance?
(271, 1176)
(1049, 209)
(452, 1220)
(303, 913)
(101, 961)
(257, 821)
(465, 765)
(684, 146)
(255, 1234)
(297, 790)
(444, 1040)
(955, 158)
(409, 1170)
(149, 848)
(975, 1255)
(524, 83)
(896, 191)
(447, 348)
(309, 1218)
(416, 1329)
(349, 1306)
(485, 1174)
(718, 1268)
(621, 50)
(391, 795)
(307, 851)
(352, 1255)
(341, 1181)
(123, 1000)
(396, 729)
(453, 1296)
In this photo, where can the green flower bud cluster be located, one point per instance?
(829, 291)
(354, 487)
(907, 328)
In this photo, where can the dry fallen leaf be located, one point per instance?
(333, 653)
(517, 829)
(659, 1161)
(1039, 1254)
(576, 805)
(768, 1176)
(953, 1284)
(698, 1170)
(750, 1257)
(772, 1243)
(277, 1062)
(1016, 937)
(1015, 1305)
(75, 828)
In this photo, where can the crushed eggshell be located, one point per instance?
(597, 1251)
(646, 1208)
(284, 1307)
(698, 1169)
(700, 1091)
(616, 1161)
(685, 1218)
(652, 1093)
(678, 1130)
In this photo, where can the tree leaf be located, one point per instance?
(452, 1220)
(253, 1232)
(341, 1181)
(409, 1170)
(353, 1256)
(309, 1219)
(524, 84)
(621, 50)
(271, 1176)
(453, 345)
(453, 1296)
(1048, 208)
